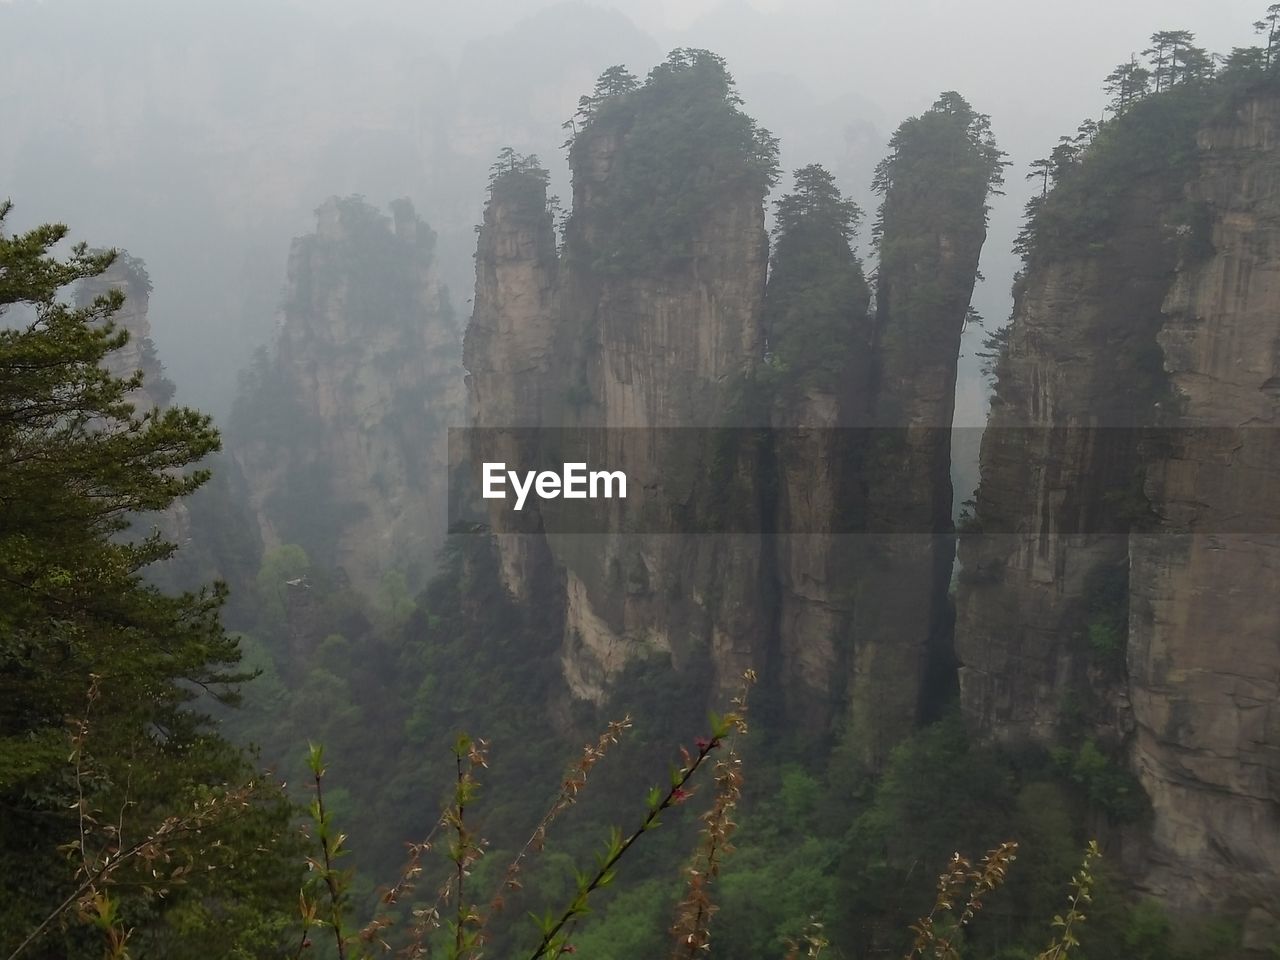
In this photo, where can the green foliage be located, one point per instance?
(1106, 783)
(519, 182)
(395, 604)
(285, 565)
(937, 794)
(1148, 934)
(1150, 143)
(1175, 59)
(83, 636)
(995, 353)
(613, 82)
(949, 152)
(1066, 926)
(815, 313)
(816, 205)
(1107, 612)
(941, 168)
(768, 895)
(385, 683)
(633, 925)
(1046, 823)
(1107, 639)
(1127, 84)
(683, 148)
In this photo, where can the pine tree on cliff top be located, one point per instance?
(683, 147)
(817, 294)
(949, 151)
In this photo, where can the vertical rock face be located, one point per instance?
(932, 226)
(865, 404)
(509, 350)
(817, 572)
(1058, 445)
(1138, 577)
(1204, 647)
(653, 349)
(341, 431)
(818, 374)
(642, 325)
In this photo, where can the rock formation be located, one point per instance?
(864, 405)
(128, 274)
(597, 341)
(1129, 576)
(932, 226)
(341, 433)
(654, 318)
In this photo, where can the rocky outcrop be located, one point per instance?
(510, 352)
(651, 351)
(341, 432)
(933, 224)
(620, 358)
(623, 350)
(817, 379)
(128, 274)
(1128, 576)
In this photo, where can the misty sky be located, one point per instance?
(202, 135)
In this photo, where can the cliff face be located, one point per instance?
(341, 432)
(509, 350)
(1137, 577)
(932, 227)
(1058, 444)
(817, 380)
(571, 344)
(649, 320)
(1204, 659)
(656, 316)
(649, 350)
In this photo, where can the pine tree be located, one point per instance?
(815, 199)
(816, 300)
(951, 127)
(1158, 53)
(1042, 169)
(1176, 59)
(1269, 25)
(1127, 83)
(614, 82)
(85, 641)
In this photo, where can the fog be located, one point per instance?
(201, 136)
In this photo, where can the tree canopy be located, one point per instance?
(817, 295)
(816, 203)
(949, 147)
(684, 146)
